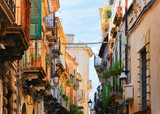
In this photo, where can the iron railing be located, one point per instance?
(11, 4)
(89, 83)
(61, 60)
(50, 23)
(97, 61)
(80, 94)
(36, 55)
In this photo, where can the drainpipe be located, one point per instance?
(18, 87)
(110, 58)
(126, 50)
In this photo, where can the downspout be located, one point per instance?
(111, 58)
(18, 87)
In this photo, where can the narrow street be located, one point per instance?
(79, 56)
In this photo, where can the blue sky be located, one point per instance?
(82, 18)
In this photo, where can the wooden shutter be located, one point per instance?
(36, 10)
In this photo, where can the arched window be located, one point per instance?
(24, 109)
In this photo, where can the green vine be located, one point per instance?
(107, 89)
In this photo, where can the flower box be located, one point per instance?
(115, 72)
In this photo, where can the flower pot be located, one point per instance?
(107, 75)
(115, 72)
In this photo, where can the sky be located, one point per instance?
(82, 18)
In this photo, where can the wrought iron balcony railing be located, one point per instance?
(80, 94)
(89, 84)
(35, 56)
(97, 61)
(11, 4)
(61, 61)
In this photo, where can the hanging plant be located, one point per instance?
(115, 70)
(107, 74)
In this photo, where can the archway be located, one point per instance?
(24, 109)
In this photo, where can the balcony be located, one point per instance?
(76, 85)
(7, 11)
(15, 39)
(60, 63)
(116, 16)
(98, 66)
(80, 94)
(89, 85)
(51, 27)
(65, 104)
(56, 51)
(35, 63)
(15, 43)
(98, 104)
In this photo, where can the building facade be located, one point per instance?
(82, 54)
(30, 56)
(132, 37)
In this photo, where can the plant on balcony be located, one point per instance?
(106, 94)
(72, 75)
(47, 60)
(107, 13)
(107, 74)
(35, 60)
(74, 109)
(66, 98)
(76, 86)
(70, 82)
(81, 107)
(115, 70)
(27, 29)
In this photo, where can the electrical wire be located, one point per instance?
(90, 43)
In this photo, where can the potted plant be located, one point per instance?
(35, 60)
(107, 74)
(117, 69)
(66, 98)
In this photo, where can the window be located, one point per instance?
(143, 79)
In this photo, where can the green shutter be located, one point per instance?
(25, 59)
(36, 10)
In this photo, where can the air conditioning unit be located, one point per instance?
(129, 92)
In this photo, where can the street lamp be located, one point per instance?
(124, 75)
(56, 77)
(90, 103)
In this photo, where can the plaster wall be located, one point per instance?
(139, 40)
(82, 59)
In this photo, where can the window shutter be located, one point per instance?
(35, 31)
